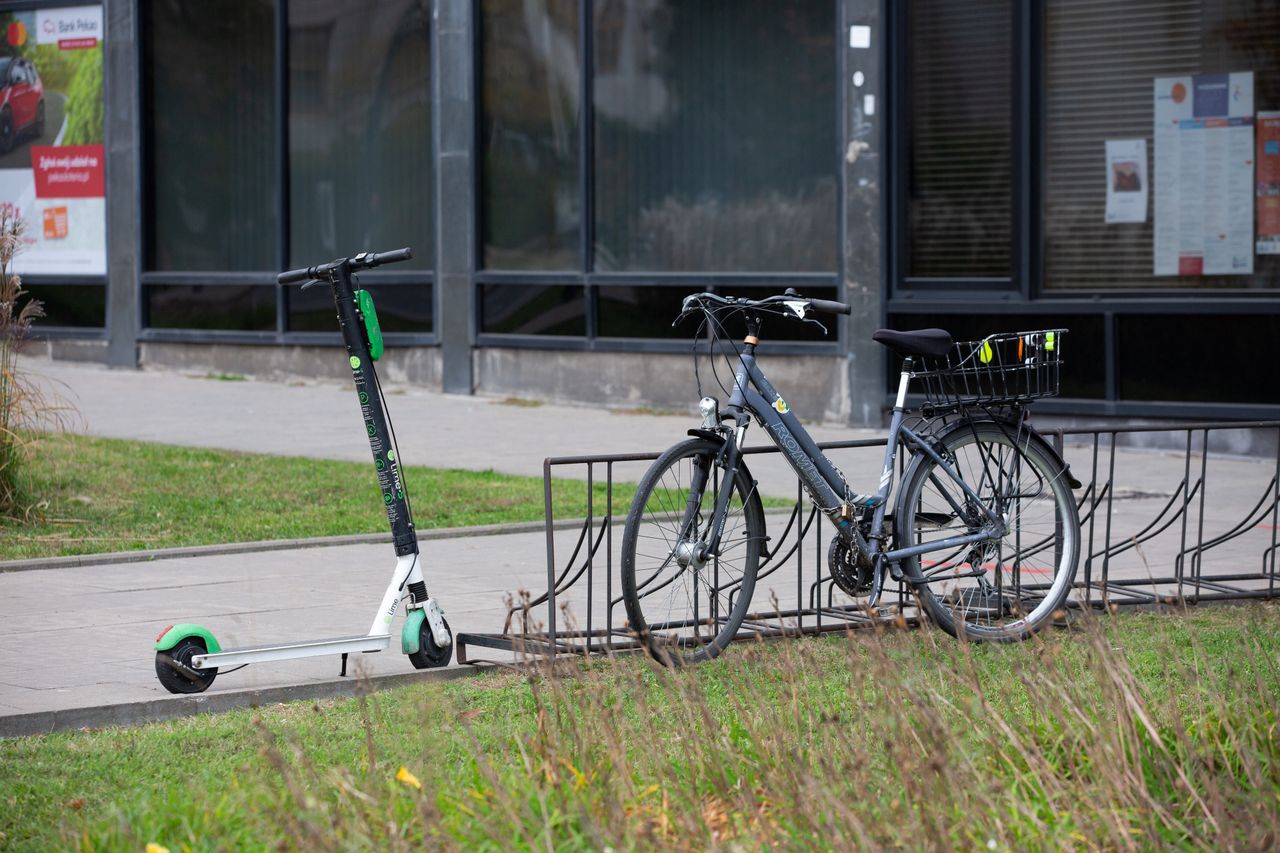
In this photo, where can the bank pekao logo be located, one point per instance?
(355, 362)
(386, 497)
(379, 464)
(781, 406)
(364, 398)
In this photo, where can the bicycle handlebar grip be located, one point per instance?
(294, 276)
(392, 257)
(826, 306)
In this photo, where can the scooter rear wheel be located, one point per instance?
(429, 655)
(176, 680)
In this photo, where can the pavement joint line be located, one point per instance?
(124, 557)
(178, 707)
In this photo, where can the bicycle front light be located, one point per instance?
(709, 408)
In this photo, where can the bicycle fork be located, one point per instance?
(690, 551)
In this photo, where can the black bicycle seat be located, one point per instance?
(931, 342)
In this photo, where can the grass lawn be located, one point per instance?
(109, 495)
(1137, 731)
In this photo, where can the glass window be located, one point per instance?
(226, 307)
(624, 311)
(715, 135)
(72, 305)
(360, 152)
(530, 195)
(210, 98)
(959, 196)
(1101, 60)
(1225, 358)
(523, 309)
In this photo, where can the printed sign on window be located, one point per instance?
(52, 160)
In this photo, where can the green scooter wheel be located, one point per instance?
(175, 672)
(429, 655)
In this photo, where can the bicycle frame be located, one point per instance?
(752, 393)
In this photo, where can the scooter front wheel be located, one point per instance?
(430, 655)
(173, 668)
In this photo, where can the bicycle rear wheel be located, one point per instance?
(683, 605)
(1005, 588)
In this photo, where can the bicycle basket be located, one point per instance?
(1009, 367)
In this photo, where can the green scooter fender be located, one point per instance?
(411, 633)
(177, 633)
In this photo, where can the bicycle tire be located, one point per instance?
(1004, 589)
(673, 607)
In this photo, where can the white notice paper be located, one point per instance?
(1204, 175)
(1126, 180)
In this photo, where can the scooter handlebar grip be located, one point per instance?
(392, 257)
(294, 276)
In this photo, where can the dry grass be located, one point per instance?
(1139, 732)
(23, 407)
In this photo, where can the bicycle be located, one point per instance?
(985, 529)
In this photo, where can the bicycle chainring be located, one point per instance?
(850, 567)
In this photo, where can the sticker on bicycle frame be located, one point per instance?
(781, 406)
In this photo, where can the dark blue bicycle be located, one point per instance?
(984, 528)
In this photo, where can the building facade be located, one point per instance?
(567, 170)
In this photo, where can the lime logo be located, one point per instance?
(379, 464)
(355, 363)
(386, 497)
(391, 455)
(364, 398)
(781, 406)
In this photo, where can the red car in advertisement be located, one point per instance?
(21, 101)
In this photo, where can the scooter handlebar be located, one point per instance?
(362, 261)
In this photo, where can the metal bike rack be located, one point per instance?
(1149, 537)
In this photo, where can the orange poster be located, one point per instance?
(1268, 166)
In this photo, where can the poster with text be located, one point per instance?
(1204, 198)
(52, 170)
(1269, 183)
(1126, 181)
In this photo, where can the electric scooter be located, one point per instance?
(188, 656)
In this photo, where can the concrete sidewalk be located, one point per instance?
(321, 419)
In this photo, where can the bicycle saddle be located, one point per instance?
(931, 342)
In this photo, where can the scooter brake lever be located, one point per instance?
(311, 283)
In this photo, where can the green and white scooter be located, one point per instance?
(188, 657)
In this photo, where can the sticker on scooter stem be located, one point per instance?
(781, 406)
(355, 362)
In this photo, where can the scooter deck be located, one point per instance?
(289, 651)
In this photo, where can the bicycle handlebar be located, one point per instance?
(362, 261)
(695, 301)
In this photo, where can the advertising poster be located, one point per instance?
(1204, 197)
(52, 170)
(1126, 181)
(1269, 183)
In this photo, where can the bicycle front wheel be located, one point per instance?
(683, 604)
(1004, 588)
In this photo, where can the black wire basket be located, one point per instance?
(1000, 369)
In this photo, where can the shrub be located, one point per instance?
(20, 402)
